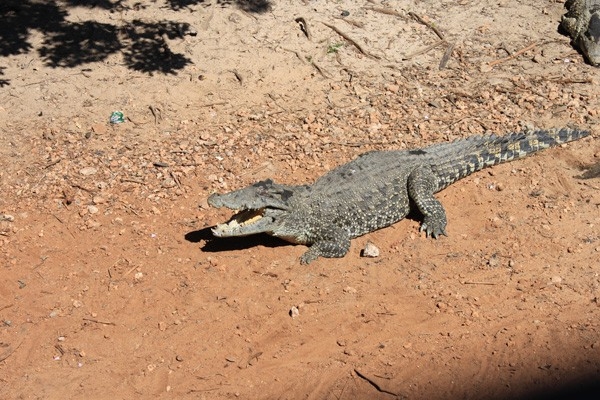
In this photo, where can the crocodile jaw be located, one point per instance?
(244, 223)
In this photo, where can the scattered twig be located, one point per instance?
(99, 322)
(560, 79)
(352, 41)
(176, 179)
(427, 24)
(446, 56)
(477, 283)
(132, 181)
(52, 163)
(320, 70)
(78, 186)
(514, 55)
(216, 103)
(352, 22)
(372, 382)
(385, 10)
(238, 76)
(253, 357)
(425, 50)
(156, 113)
(130, 270)
(304, 27)
(296, 53)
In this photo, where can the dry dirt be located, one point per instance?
(110, 286)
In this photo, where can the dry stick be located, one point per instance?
(99, 322)
(425, 50)
(296, 53)
(320, 70)
(124, 180)
(427, 24)
(238, 76)
(52, 163)
(176, 179)
(446, 56)
(217, 103)
(352, 41)
(385, 10)
(372, 382)
(357, 24)
(514, 55)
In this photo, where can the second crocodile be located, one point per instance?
(582, 22)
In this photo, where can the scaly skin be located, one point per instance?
(373, 191)
(582, 22)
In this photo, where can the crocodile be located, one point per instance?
(582, 23)
(373, 191)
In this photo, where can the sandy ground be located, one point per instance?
(110, 284)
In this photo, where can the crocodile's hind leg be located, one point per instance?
(336, 247)
(422, 184)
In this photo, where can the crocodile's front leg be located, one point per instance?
(336, 246)
(422, 184)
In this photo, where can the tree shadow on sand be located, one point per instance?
(69, 44)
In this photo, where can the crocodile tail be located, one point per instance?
(485, 151)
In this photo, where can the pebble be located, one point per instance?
(493, 261)
(169, 183)
(87, 171)
(350, 290)
(294, 312)
(92, 209)
(556, 279)
(98, 200)
(370, 250)
(7, 217)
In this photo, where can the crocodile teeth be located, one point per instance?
(245, 217)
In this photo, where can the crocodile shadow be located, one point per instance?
(215, 245)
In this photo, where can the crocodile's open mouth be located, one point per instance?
(239, 223)
(245, 217)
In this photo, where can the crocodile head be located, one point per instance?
(259, 208)
(590, 40)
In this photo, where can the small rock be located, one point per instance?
(294, 312)
(370, 250)
(98, 200)
(556, 279)
(493, 261)
(169, 183)
(349, 352)
(92, 209)
(350, 290)
(179, 358)
(7, 217)
(87, 171)
(392, 88)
